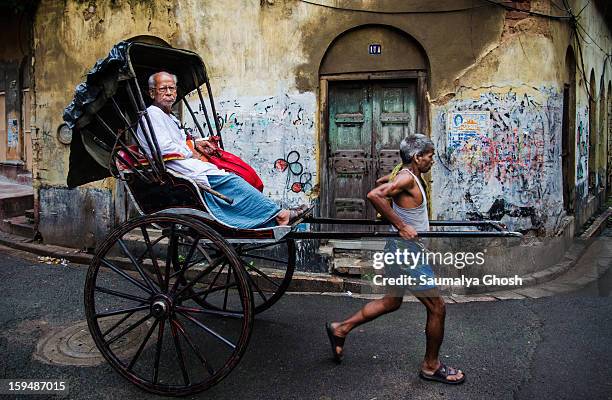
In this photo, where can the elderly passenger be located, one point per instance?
(250, 208)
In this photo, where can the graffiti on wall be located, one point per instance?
(507, 168)
(582, 146)
(263, 131)
(297, 180)
(12, 140)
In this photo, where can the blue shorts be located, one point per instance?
(420, 271)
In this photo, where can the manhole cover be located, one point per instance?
(74, 345)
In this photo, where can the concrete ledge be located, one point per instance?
(597, 225)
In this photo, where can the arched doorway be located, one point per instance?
(568, 135)
(592, 163)
(373, 82)
(601, 138)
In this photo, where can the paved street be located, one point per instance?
(555, 347)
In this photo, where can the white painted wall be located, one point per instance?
(264, 129)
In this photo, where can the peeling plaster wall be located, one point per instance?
(513, 169)
(276, 135)
(69, 36)
(582, 151)
(510, 170)
(593, 59)
(263, 60)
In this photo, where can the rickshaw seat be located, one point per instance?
(180, 194)
(136, 159)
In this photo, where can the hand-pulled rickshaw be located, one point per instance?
(171, 295)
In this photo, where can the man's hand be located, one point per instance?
(408, 232)
(205, 147)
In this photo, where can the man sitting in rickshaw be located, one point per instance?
(250, 208)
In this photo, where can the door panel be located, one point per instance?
(394, 117)
(367, 122)
(350, 143)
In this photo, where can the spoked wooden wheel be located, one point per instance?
(143, 301)
(270, 267)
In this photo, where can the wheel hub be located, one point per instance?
(161, 307)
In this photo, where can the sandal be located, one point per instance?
(336, 341)
(298, 213)
(442, 374)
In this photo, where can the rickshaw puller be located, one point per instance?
(407, 214)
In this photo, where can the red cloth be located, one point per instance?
(230, 163)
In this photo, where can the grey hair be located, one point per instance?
(415, 145)
(152, 78)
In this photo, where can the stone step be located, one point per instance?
(15, 199)
(354, 266)
(18, 226)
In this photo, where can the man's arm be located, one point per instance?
(379, 195)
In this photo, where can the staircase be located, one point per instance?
(354, 257)
(16, 208)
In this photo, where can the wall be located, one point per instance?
(509, 169)
(595, 41)
(276, 134)
(508, 166)
(263, 59)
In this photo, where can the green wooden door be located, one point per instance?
(394, 118)
(367, 122)
(349, 149)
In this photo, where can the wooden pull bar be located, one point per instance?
(208, 189)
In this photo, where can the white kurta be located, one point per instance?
(172, 139)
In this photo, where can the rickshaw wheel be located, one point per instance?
(269, 267)
(141, 310)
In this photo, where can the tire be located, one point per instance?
(141, 304)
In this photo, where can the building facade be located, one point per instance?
(316, 96)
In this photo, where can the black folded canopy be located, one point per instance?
(126, 64)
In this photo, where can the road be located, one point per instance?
(556, 347)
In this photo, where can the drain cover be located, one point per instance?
(74, 345)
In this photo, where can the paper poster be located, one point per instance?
(464, 125)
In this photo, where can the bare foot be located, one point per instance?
(282, 218)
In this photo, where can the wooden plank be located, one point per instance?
(422, 105)
(372, 76)
(398, 118)
(356, 118)
(324, 179)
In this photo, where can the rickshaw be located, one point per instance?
(171, 295)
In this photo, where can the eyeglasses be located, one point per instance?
(171, 89)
